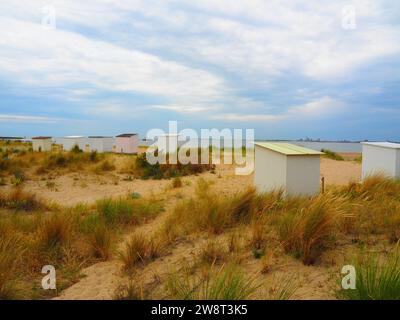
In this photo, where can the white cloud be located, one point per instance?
(322, 107)
(181, 108)
(123, 47)
(39, 57)
(27, 118)
(268, 38)
(238, 117)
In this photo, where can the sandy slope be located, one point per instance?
(103, 278)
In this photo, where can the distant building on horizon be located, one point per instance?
(41, 143)
(12, 138)
(69, 142)
(127, 143)
(99, 144)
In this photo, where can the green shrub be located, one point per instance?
(226, 283)
(167, 170)
(376, 279)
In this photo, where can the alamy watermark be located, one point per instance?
(188, 146)
(349, 280)
(349, 21)
(49, 17)
(49, 280)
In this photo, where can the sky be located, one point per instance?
(287, 69)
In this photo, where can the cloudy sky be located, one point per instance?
(288, 69)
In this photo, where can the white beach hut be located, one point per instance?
(69, 142)
(41, 143)
(100, 144)
(127, 143)
(381, 157)
(285, 166)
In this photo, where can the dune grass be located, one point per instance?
(19, 200)
(377, 278)
(10, 256)
(227, 282)
(100, 242)
(307, 232)
(304, 227)
(55, 231)
(127, 211)
(139, 249)
(131, 291)
(209, 212)
(68, 238)
(213, 252)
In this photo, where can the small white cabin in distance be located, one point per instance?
(294, 169)
(69, 142)
(127, 143)
(381, 158)
(41, 143)
(99, 144)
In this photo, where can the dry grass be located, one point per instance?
(306, 228)
(210, 212)
(68, 238)
(10, 258)
(134, 290)
(213, 252)
(55, 231)
(177, 182)
(139, 249)
(18, 199)
(100, 242)
(127, 211)
(217, 283)
(307, 232)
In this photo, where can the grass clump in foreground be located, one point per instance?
(210, 212)
(332, 155)
(10, 257)
(140, 249)
(18, 199)
(376, 278)
(224, 283)
(127, 210)
(308, 231)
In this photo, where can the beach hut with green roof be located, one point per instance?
(294, 169)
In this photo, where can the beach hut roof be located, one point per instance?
(127, 135)
(41, 138)
(98, 137)
(288, 148)
(390, 145)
